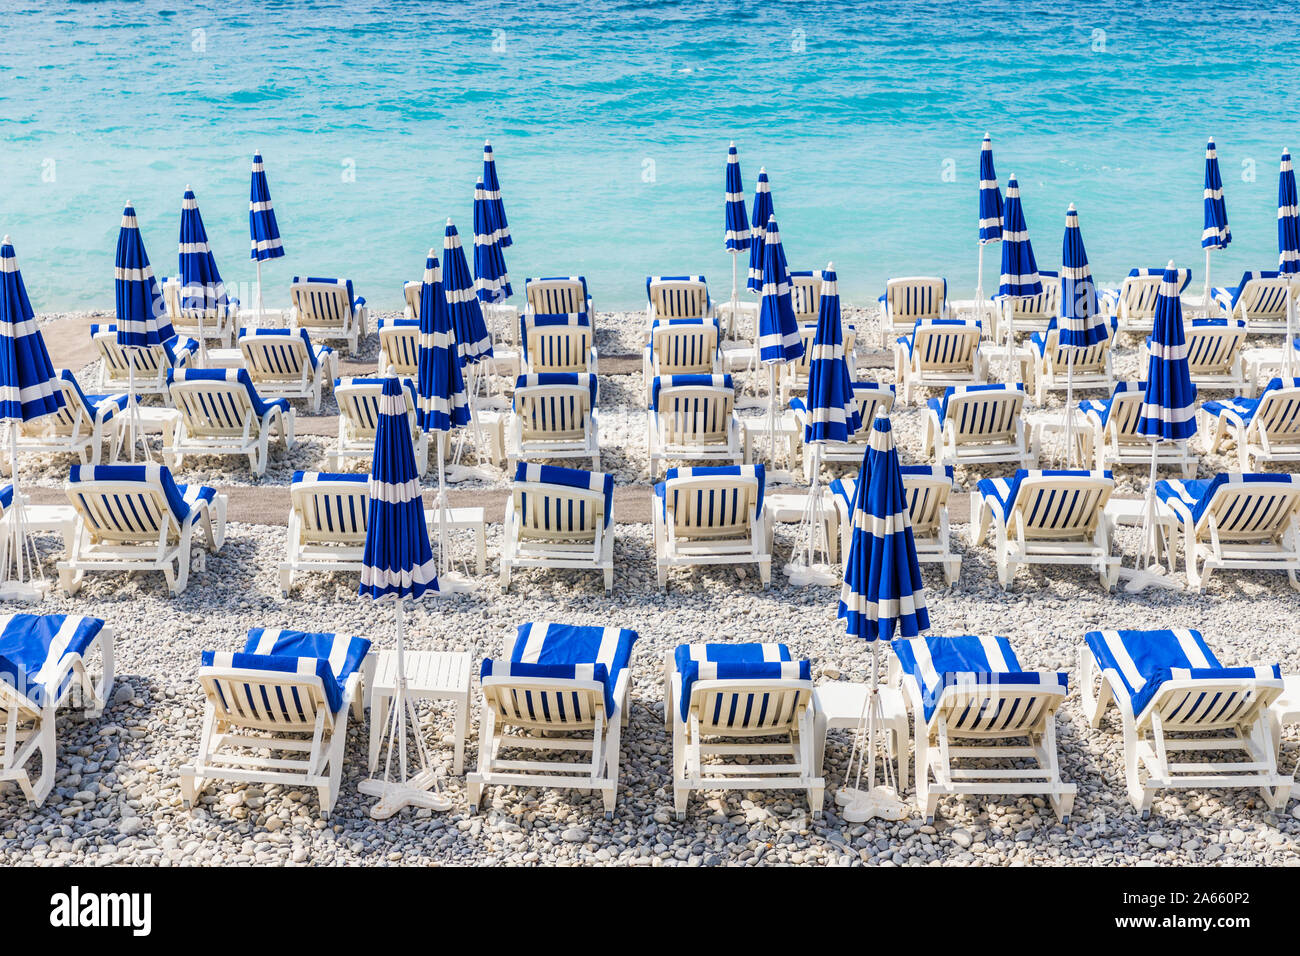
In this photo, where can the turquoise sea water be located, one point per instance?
(610, 123)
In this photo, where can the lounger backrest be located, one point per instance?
(546, 703)
(940, 347)
(1204, 704)
(712, 506)
(72, 416)
(871, 402)
(399, 349)
(751, 707)
(276, 358)
(805, 295)
(331, 512)
(548, 512)
(553, 412)
(1137, 296)
(799, 367)
(1088, 359)
(695, 414)
(124, 512)
(276, 701)
(978, 708)
(985, 416)
(927, 498)
(1263, 300)
(558, 348)
(684, 348)
(171, 294)
(213, 408)
(555, 296)
(1247, 511)
(678, 299)
(1057, 506)
(1125, 412)
(359, 405)
(1278, 415)
(912, 298)
(148, 361)
(1038, 308)
(411, 292)
(321, 305)
(1213, 348)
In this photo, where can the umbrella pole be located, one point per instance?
(1288, 347)
(444, 565)
(23, 583)
(979, 287)
(1007, 312)
(259, 294)
(1205, 298)
(771, 411)
(734, 302)
(1069, 409)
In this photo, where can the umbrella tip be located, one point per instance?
(1071, 209)
(830, 267)
(187, 187)
(390, 372)
(731, 144)
(432, 252)
(6, 239)
(1171, 265)
(449, 220)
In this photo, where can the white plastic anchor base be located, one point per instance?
(23, 590)
(420, 791)
(1155, 576)
(881, 802)
(457, 473)
(801, 575)
(453, 582)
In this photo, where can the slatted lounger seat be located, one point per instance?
(927, 488)
(80, 427)
(136, 518)
(1214, 355)
(45, 664)
(151, 364)
(358, 400)
(693, 418)
(978, 424)
(557, 343)
(1237, 521)
(872, 400)
(555, 416)
(399, 347)
(1051, 370)
(973, 690)
(1116, 439)
(1172, 695)
(1263, 429)
(1259, 300)
(559, 518)
(731, 700)
(912, 299)
(563, 689)
(277, 712)
(285, 364)
(1133, 305)
(1046, 517)
(712, 516)
(328, 309)
(222, 414)
(940, 353)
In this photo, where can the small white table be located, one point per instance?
(1051, 422)
(49, 519)
(463, 519)
(788, 432)
(840, 704)
(1131, 513)
(225, 358)
(150, 420)
(1285, 710)
(1262, 361)
(430, 675)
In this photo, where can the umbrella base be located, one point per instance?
(1139, 579)
(802, 575)
(456, 473)
(777, 476)
(33, 591)
(417, 792)
(863, 805)
(453, 582)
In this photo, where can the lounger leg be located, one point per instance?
(37, 790)
(681, 791)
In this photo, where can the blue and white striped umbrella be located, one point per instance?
(473, 342)
(1169, 406)
(1081, 323)
(262, 227)
(492, 188)
(1020, 277)
(443, 403)
(778, 329)
(141, 318)
(398, 561)
(1216, 234)
(832, 408)
(758, 230)
(882, 593)
(491, 282)
(990, 195)
(737, 225)
(27, 376)
(201, 286)
(1288, 220)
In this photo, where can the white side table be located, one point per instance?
(788, 432)
(463, 519)
(51, 518)
(1052, 423)
(430, 675)
(840, 704)
(1131, 512)
(1285, 710)
(225, 358)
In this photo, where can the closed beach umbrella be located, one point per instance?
(990, 229)
(492, 192)
(491, 283)
(736, 236)
(263, 230)
(1216, 234)
(472, 340)
(881, 597)
(1288, 247)
(1081, 323)
(758, 230)
(832, 417)
(778, 329)
(201, 287)
(440, 389)
(141, 322)
(27, 392)
(397, 565)
(1020, 277)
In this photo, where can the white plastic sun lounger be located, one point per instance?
(43, 666)
(135, 518)
(557, 295)
(912, 299)
(411, 299)
(927, 488)
(978, 424)
(1051, 370)
(80, 427)
(711, 516)
(555, 416)
(1046, 517)
(1237, 521)
(973, 690)
(328, 309)
(693, 418)
(938, 354)
(1264, 429)
(872, 400)
(219, 321)
(682, 347)
(399, 347)
(559, 518)
(805, 296)
(1259, 300)
(677, 297)
(564, 690)
(220, 413)
(1133, 304)
(1214, 355)
(277, 712)
(285, 364)
(151, 364)
(1173, 695)
(747, 701)
(557, 343)
(358, 400)
(1116, 440)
